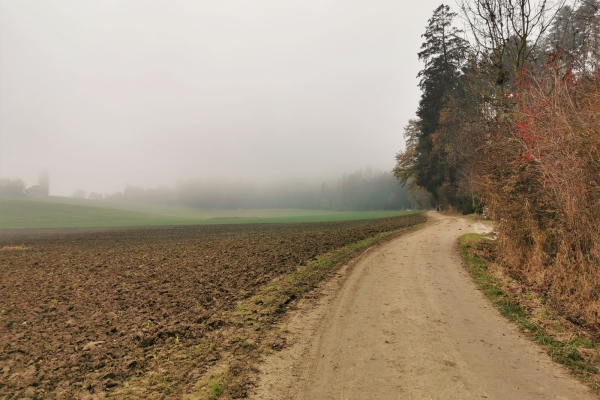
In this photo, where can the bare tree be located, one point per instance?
(505, 33)
(575, 34)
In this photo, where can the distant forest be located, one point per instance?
(361, 190)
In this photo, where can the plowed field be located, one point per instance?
(83, 312)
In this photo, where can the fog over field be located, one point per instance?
(148, 93)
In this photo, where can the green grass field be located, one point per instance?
(71, 213)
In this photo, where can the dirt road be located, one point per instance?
(406, 322)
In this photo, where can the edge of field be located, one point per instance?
(566, 343)
(255, 330)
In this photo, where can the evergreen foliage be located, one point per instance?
(444, 54)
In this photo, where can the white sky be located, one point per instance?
(104, 93)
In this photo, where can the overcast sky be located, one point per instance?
(104, 93)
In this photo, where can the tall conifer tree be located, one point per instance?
(444, 53)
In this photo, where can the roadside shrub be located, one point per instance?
(542, 185)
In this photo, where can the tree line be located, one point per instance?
(17, 188)
(509, 121)
(361, 190)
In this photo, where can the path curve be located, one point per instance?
(406, 322)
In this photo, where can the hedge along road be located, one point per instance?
(406, 322)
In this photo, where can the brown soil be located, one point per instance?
(82, 312)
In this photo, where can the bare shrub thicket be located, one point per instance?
(539, 170)
(541, 182)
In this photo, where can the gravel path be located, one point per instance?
(406, 322)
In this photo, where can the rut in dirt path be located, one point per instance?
(408, 323)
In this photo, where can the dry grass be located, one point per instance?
(13, 248)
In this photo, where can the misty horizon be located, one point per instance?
(206, 181)
(104, 94)
(44, 179)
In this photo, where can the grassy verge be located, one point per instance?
(255, 320)
(566, 343)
